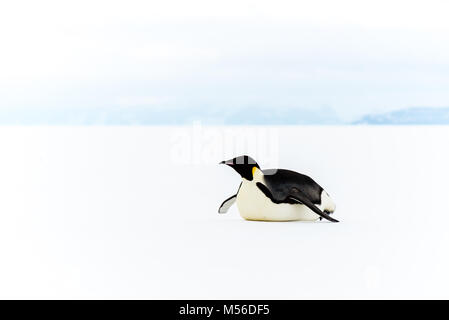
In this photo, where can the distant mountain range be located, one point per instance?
(410, 116)
(213, 116)
(167, 116)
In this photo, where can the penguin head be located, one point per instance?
(244, 165)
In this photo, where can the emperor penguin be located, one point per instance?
(277, 194)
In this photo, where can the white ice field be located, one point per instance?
(126, 212)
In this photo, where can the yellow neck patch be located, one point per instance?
(254, 170)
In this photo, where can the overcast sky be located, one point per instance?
(354, 56)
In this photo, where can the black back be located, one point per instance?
(281, 183)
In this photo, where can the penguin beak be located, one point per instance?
(227, 162)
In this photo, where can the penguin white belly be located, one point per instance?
(254, 205)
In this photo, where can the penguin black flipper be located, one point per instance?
(227, 204)
(224, 207)
(295, 196)
(300, 198)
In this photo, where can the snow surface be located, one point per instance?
(110, 212)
